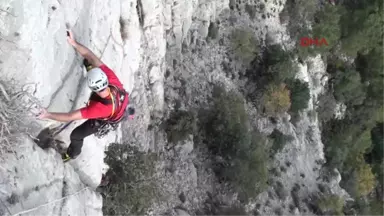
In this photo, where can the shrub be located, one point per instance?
(331, 204)
(276, 99)
(299, 94)
(377, 143)
(279, 63)
(281, 192)
(132, 188)
(362, 181)
(244, 45)
(16, 106)
(279, 141)
(300, 13)
(370, 65)
(326, 106)
(368, 206)
(243, 151)
(213, 30)
(348, 87)
(365, 179)
(368, 15)
(228, 123)
(232, 210)
(179, 125)
(371, 69)
(327, 26)
(251, 10)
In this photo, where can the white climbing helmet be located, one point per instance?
(97, 79)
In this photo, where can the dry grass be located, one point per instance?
(16, 108)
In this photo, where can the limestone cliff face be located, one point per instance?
(159, 50)
(34, 50)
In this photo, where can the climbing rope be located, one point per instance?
(54, 201)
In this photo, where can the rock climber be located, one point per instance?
(107, 105)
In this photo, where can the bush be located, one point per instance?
(232, 210)
(274, 65)
(213, 30)
(279, 63)
(16, 106)
(229, 136)
(348, 87)
(326, 106)
(377, 143)
(368, 15)
(375, 155)
(371, 65)
(279, 141)
(281, 192)
(331, 204)
(179, 125)
(327, 26)
(251, 10)
(369, 206)
(371, 69)
(276, 99)
(299, 95)
(228, 123)
(132, 188)
(365, 179)
(244, 45)
(300, 13)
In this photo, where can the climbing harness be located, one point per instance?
(104, 128)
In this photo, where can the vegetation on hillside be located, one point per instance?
(241, 154)
(132, 187)
(354, 55)
(351, 142)
(243, 151)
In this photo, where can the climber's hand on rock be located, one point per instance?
(43, 114)
(71, 39)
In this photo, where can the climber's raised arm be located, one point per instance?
(62, 117)
(84, 51)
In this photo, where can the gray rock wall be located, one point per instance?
(161, 53)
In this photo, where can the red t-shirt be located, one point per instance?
(94, 109)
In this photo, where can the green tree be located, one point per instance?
(300, 14)
(299, 93)
(364, 177)
(377, 143)
(348, 87)
(331, 204)
(213, 30)
(371, 69)
(279, 64)
(327, 27)
(368, 16)
(132, 188)
(244, 44)
(179, 125)
(279, 140)
(277, 99)
(370, 65)
(243, 151)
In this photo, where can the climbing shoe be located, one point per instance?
(87, 65)
(65, 157)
